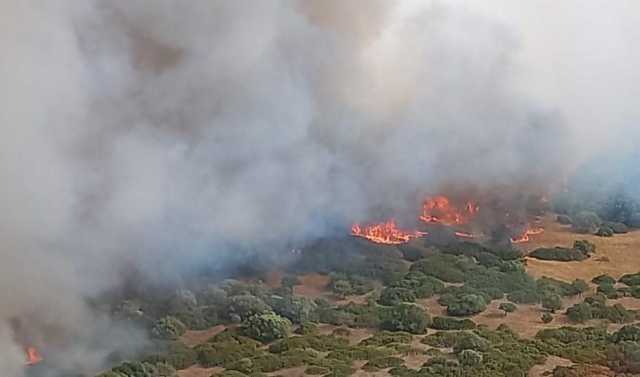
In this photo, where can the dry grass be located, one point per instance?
(194, 337)
(198, 371)
(621, 251)
(548, 366)
(312, 285)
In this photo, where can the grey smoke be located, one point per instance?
(137, 132)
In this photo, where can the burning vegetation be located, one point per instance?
(385, 233)
(438, 213)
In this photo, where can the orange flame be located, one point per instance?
(385, 233)
(440, 210)
(465, 235)
(33, 356)
(524, 237)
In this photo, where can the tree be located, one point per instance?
(580, 312)
(342, 288)
(470, 341)
(394, 296)
(580, 286)
(266, 327)
(407, 317)
(468, 304)
(246, 305)
(552, 302)
(168, 327)
(214, 296)
(507, 307)
(546, 317)
(470, 358)
(603, 279)
(586, 222)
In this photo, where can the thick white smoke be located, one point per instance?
(146, 131)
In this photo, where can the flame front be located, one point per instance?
(33, 356)
(524, 237)
(439, 209)
(385, 233)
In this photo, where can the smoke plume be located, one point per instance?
(161, 135)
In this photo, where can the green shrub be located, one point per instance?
(385, 338)
(407, 317)
(266, 327)
(630, 333)
(546, 317)
(608, 290)
(470, 357)
(470, 341)
(447, 323)
(564, 219)
(616, 227)
(168, 328)
(382, 363)
(507, 307)
(585, 246)
(586, 222)
(524, 297)
(246, 305)
(307, 328)
(394, 296)
(296, 309)
(175, 354)
(552, 302)
(603, 279)
(604, 231)
(561, 254)
(630, 279)
(467, 305)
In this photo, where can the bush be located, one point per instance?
(579, 286)
(467, 305)
(470, 358)
(245, 306)
(616, 227)
(307, 328)
(604, 231)
(168, 328)
(266, 327)
(552, 302)
(581, 312)
(507, 307)
(296, 309)
(586, 222)
(382, 363)
(603, 279)
(546, 317)
(446, 323)
(524, 297)
(564, 219)
(214, 296)
(630, 279)
(561, 254)
(407, 317)
(394, 296)
(585, 246)
(608, 290)
(630, 333)
(470, 341)
(341, 288)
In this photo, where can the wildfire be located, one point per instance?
(524, 237)
(439, 209)
(385, 233)
(465, 235)
(33, 356)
